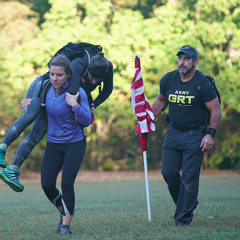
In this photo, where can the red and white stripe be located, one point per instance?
(140, 104)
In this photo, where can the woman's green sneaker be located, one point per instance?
(3, 163)
(10, 177)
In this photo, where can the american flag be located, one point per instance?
(141, 107)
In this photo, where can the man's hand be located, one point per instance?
(71, 100)
(207, 143)
(25, 103)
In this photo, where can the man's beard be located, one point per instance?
(188, 70)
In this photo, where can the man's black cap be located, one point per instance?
(188, 50)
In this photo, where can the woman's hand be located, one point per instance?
(25, 103)
(71, 100)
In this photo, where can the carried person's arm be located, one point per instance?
(107, 87)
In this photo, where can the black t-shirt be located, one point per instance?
(187, 99)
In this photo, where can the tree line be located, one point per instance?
(32, 31)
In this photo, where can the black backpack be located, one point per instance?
(78, 50)
(72, 51)
(210, 79)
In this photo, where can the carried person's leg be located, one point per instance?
(25, 120)
(10, 175)
(36, 134)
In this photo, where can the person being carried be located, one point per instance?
(66, 142)
(191, 97)
(98, 70)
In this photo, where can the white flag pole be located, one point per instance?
(147, 186)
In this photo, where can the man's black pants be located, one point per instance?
(181, 151)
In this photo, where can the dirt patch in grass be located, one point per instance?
(121, 175)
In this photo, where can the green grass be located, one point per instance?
(117, 210)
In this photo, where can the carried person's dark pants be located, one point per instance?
(181, 151)
(34, 113)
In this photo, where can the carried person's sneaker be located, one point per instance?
(64, 229)
(3, 163)
(10, 177)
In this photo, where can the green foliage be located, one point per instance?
(227, 153)
(17, 27)
(32, 31)
(108, 165)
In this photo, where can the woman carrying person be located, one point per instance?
(65, 140)
(88, 76)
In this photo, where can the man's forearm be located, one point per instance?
(157, 107)
(215, 119)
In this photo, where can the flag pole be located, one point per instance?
(144, 113)
(147, 185)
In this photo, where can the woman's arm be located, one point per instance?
(82, 110)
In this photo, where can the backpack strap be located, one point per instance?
(44, 94)
(87, 60)
(45, 77)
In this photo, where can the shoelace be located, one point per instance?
(65, 230)
(2, 154)
(11, 175)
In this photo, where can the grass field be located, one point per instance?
(116, 209)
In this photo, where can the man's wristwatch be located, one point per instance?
(212, 132)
